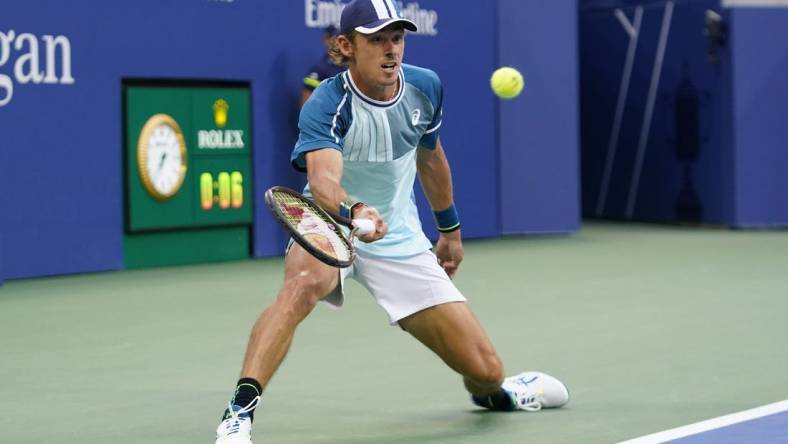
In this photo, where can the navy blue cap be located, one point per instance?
(370, 16)
(331, 30)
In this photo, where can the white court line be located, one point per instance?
(710, 424)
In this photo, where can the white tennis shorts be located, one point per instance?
(401, 286)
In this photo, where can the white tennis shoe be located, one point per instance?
(533, 391)
(236, 428)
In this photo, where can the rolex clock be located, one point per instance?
(161, 157)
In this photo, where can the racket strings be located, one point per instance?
(320, 233)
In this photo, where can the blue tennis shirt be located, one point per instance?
(378, 142)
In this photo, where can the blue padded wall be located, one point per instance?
(760, 55)
(60, 155)
(700, 138)
(538, 130)
(63, 143)
(61, 150)
(656, 130)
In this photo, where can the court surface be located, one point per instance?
(651, 327)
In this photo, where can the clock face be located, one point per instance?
(162, 156)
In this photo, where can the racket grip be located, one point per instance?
(364, 226)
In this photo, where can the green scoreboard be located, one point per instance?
(188, 174)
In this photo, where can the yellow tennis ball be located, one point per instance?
(506, 82)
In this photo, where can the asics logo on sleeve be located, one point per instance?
(414, 116)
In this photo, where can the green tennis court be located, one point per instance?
(651, 327)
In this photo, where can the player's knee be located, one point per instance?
(302, 293)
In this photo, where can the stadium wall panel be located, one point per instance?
(656, 141)
(539, 130)
(62, 66)
(760, 96)
(700, 134)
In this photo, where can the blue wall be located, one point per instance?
(669, 163)
(715, 150)
(760, 55)
(61, 144)
(539, 131)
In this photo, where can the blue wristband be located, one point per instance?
(447, 220)
(346, 208)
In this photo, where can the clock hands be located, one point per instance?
(161, 161)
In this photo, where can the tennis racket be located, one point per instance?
(314, 228)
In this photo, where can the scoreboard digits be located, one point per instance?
(226, 191)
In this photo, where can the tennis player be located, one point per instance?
(364, 136)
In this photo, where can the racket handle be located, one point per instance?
(364, 226)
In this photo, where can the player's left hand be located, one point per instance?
(367, 212)
(449, 252)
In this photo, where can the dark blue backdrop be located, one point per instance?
(61, 210)
(658, 185)
(716, 150)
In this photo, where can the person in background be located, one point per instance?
(324, 68)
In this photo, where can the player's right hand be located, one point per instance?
(367, 212)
